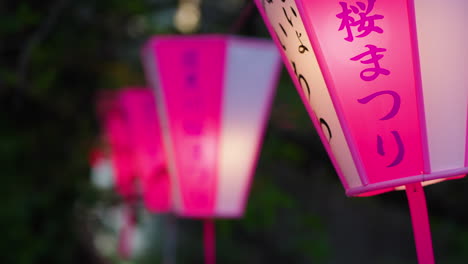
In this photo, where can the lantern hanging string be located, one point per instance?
(421, 227)
(209, 241)
(241, 20)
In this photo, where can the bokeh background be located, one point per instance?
(55, 55)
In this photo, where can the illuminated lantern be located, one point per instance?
(117, 137)
(116, 134)
(139, 109)
(384, 83)
(131, 129)
(213, 95)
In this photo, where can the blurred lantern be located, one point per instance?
(139, 109)
(391, 111)
(213, 95)
(116, 135)
(131, 129)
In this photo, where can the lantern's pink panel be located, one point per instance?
(369, 69)
(250, 78)
(121, 150)
(287, 29)
(191, 73)
(441, 31)
(141, 117)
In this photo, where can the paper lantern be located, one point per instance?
(213, 95)
(384, 83)
(131, 129)
(122, 155)
(139, 110)
(116, 134)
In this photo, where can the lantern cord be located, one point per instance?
(245, 14)
(209, 241)
(420, 220)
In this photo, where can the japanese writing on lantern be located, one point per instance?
(289, 30)
(358, 21)
(292, 37)
(359, 18)
(193, 113)
(192, 102)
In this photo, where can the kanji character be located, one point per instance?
(366, 22)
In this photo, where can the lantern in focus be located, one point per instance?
(384, 84)
(213, 96)
(139, 109)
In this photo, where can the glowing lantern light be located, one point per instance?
(213, 95)
(121, 153)
(384, 84)
(131, 127)
(139, 109)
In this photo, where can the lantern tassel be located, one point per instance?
(420, 220)
(209, 241)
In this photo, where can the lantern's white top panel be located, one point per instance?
(441, 28)
(250, 80)
(287, 23)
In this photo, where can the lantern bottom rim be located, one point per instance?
(387, 186)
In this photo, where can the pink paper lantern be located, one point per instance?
(122, 154)
(139, 109)
(384, 83)
(116, 133)
(213, 95)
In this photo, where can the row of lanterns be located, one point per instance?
(194, 137)
(382, 80)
